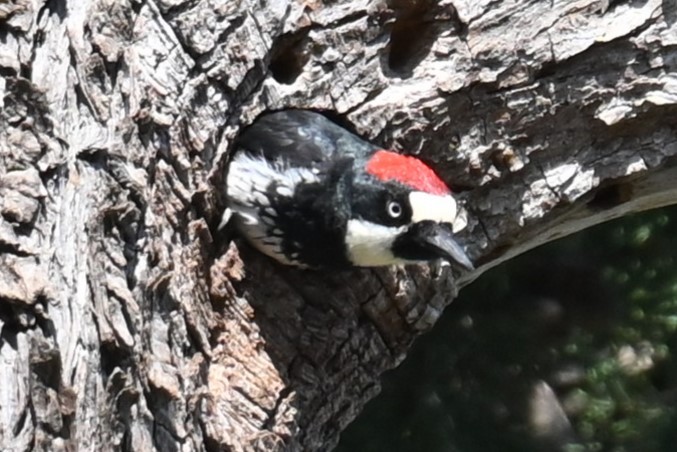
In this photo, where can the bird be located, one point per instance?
(309, 193)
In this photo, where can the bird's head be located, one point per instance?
(401, 212)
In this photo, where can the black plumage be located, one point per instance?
(300, 138)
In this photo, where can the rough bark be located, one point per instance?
(127, 322)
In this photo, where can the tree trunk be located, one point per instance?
(127, 322)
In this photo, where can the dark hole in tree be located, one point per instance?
(288, 56)
(417, 24)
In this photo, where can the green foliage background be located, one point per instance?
(593, 315)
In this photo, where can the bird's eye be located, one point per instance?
(394, 209)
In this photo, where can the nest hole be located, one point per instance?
(288, 57)
(413, 33)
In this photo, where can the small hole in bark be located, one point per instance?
(288, 56)
(46, 366)
(211, 445)
(611, 196)
(6, 72)
(56, 7)
(417, 25)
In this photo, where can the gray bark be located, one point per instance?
(127, 322)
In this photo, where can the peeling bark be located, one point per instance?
(127, 322)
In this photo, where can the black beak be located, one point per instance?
(429, 240)
(442, 241)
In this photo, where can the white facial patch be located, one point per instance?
(438, 208)
(369, 244)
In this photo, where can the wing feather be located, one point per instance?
(301, 138)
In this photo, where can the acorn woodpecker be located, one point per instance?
(307, 192)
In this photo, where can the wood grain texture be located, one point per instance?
(128, 323)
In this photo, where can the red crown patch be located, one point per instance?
(410, 171)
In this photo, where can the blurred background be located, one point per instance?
(570, 347)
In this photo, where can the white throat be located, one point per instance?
(369, 244)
